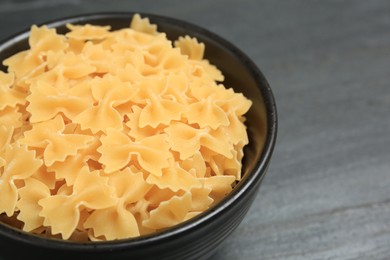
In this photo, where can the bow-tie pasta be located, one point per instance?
(110, 134)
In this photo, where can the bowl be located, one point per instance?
(199, 237)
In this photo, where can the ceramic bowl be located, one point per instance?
(199, 237)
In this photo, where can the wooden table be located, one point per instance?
(327, 192)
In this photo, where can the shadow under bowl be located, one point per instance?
(199, 237)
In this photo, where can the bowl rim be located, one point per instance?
(259, 171)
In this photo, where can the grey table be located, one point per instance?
(327, 192)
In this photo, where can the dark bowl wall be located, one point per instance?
(200, 237)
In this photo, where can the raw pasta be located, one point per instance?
(111, 134)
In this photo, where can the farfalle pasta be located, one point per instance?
(111, 134)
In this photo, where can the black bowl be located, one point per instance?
(197, 238)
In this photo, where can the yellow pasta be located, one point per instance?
(111, 134)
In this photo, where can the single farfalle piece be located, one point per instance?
(194, 50)
(153, 47)
(135, 131)
(210, 71)
(206, 113)
(129, 184)
(9, 97)
(51, 76)
(69, 169)
(217, 91)
(236, 130)
(19, 163)
(158, 110)
(87, 32)
(118, 151)
(156, 195)
(220, 186)
(73, 66)
(62, 212)
(172, 60)
(42, 40)
(46, 101)
(237, 103)
(128, 72)
(29, 209)
(191, 47)
(201, 200)
(175, 178)
(187, 140)
(134, 48)
(108, 92)
(100, 58)
(130, 187)
(119, 223)
(170, 212)
(225, 98)
(143, 25)
(49, 135)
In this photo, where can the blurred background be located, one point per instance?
(327, 191)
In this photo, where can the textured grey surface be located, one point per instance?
(327, 192)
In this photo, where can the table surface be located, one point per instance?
(327, 191)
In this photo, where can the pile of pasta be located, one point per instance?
(111, 134)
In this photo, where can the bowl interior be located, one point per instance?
(241, 74)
